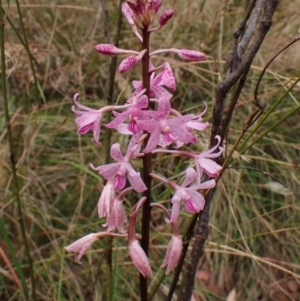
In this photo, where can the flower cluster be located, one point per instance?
(147, 114)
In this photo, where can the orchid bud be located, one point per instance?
(173, 253)
(130, 62)
(165, 17)
(106, 200)
(139, 258)
(192, 55)
(107, 49)
(127, 64)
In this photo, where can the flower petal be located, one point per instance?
(116, 153)
(190, 177)
(107, 171)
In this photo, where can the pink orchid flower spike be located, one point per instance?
(137, 254)
(88, 120)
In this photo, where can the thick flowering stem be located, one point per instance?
(147, 165)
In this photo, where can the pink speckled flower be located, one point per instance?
(205, 164)
(88, 120)
(135, 113)
(130, 61)
(170, 128)
(118, 217)
(193, 200)
(118, 170)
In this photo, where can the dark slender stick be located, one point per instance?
(12, 157)
(201, 231)
(147, 167)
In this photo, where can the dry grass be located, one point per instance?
(254, 241)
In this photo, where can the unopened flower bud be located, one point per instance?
(173, 253)
(192, 55)
(165, 17)
(130, 62)
(107, 49)
(139, 258)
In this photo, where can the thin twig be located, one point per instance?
(26, 46)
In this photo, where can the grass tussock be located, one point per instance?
(254, 228)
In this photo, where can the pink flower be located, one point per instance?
(106, 199)
(193, 201)
(165, 78)
(135, 112)
(81, 245)
(88, 120)
(152, 7)
(173, 253)
(171, 129)
(129, 15)
(118, 170)
(117, 217)
(205, 164)
(137, 7)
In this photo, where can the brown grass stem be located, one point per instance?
(16, 190)
(26, 46)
